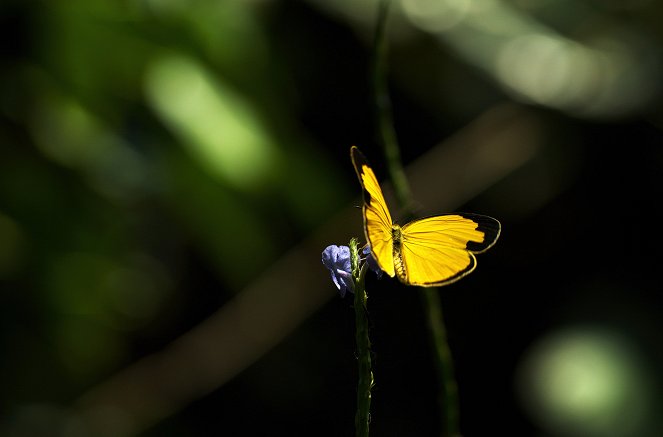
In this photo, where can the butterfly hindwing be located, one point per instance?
(377, 219)
(444, 268)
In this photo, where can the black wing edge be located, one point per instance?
(489, 226)
(359, 160)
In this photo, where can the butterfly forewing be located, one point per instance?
(490, 227)
(377, 219)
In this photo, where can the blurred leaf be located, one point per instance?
(219, 128)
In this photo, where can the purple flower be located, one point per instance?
(337, 260)
(372, 264)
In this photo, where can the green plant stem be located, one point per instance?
(448, 390)
(383, 116)
(365, 380)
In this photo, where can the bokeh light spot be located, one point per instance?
(436, 15)
(584, 382)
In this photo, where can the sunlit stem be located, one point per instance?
(383, 117)
(365, 380)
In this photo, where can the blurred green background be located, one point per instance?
(170, 171)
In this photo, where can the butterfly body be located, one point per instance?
(399, 266)
(427, 252)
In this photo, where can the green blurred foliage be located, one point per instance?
(106, 179)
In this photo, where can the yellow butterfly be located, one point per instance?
(427, 252)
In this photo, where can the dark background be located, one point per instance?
(159, 158)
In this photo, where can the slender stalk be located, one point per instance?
(383, 116)
(365, 380)
(448, 391)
